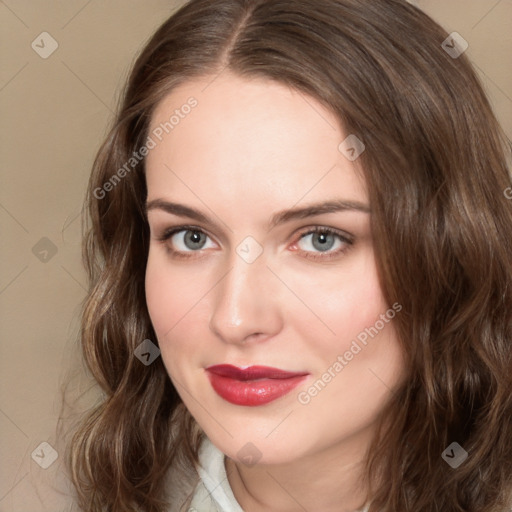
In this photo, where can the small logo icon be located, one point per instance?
(44, 250)
(352, 147)
(44, 455)
(455, 45)
(249, 249)
(44, 45)
(147, 352)
(249, 454)
(454, 455)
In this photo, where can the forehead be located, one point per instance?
(250, 138)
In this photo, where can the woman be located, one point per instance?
(301, 270)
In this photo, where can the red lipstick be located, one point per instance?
(256, 385)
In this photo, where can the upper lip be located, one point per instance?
(252, 372)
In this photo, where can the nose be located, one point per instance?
(246, 303)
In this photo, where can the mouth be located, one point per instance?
(252, 386)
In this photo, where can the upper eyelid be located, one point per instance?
(282, 218)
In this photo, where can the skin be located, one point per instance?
(249, 149)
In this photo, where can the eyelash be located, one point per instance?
(326, 256)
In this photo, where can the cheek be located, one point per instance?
(343, 305)
(160, 298)
(170, 297)
(171, 292)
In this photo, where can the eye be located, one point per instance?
(323, 239)
(185, 240)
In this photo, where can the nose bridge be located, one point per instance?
(242, 304)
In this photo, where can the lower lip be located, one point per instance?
(252, 392)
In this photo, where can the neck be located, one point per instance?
(329, 480)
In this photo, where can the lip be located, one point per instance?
(252, 386)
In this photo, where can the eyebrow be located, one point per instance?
(281, 217)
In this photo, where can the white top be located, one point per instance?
(213, 492)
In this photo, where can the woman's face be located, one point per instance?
(241, 176)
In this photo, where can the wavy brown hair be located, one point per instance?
(436, 170)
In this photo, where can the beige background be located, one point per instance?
(55, 112)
